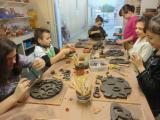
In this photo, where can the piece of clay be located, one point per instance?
(120, 113)
(96, 95)
(44, 89)
(115, 53)
(53, 72)
(113, 87)
(118, 61)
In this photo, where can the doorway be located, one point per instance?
(109, 11)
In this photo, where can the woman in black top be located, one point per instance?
(149, 72)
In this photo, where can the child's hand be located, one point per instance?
(117, 34)
(98, 31)
(21, 89)
(119, 41)
(72, 47)
(127, 46)
(38, 64)
(138, 62)
(94, 32)
(65, 51)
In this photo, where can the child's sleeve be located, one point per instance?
(39, 52)
(56, 50)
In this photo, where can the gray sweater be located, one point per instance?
(8, 89)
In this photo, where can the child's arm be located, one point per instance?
(12, 100)
(94, 32)
(117, 34)
(124, 40)
(59, 56)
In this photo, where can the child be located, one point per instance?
(45, 50)
(127, 11)
(11, 66)
(96, 32)
(141, 46)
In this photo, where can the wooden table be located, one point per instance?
(71, 109)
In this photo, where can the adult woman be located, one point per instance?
(149, 73)
(11, 65)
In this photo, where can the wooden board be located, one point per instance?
(136, 111)
(132, 98)
(56, 100)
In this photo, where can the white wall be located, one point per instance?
(74, 14)
(46, 16)
(148, 4)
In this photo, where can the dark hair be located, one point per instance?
(126, 8)
(39, 34)
(6, 47)
(99, 18)
(154, 25)
(145, 20)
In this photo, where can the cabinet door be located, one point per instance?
(46, 16)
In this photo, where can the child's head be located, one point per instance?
(7, 54)
(153, 31)
(127, 11)
(99, 21)
(42, 37)
(141, 26)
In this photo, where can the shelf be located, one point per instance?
(11, 19)
(20, 39)
(30, 47)
(13, 3)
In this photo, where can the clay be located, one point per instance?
(111, 42)
(87, 72)
(67, 109)
(80, 44)
(115, 53)
(96, 93)
(99, 77)
(68, 61)
(66, 74)
(95, 63)
(120, 113)
(86, 50)
(101, 54)
(113, 87)
(82, 66)
(81, 58)
(79, 71)
(82, 40)
(97, 82)
(70, 54)
(53, 72)
(44, 89)
(97, 45)
(118, 61)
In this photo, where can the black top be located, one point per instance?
(47, 59)
(149, 81)
(97, 36)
